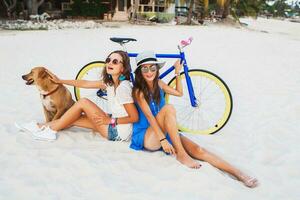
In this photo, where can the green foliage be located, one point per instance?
(158, 16)
(247, 7)
(165, 17)
(92, 8)
(297, 8)
(280, 7)
(276, 8)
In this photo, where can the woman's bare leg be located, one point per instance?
(75, 112)
(200, 153)
(83, 122)
(166, 119)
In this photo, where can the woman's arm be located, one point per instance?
(132, 112)
(132, 117)
(178, 89)
(167, 147)
(84, 83)
(77, 83)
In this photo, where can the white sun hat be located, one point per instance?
(147, 57)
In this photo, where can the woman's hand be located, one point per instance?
(53, 77)
(167, 147)
(101, 119)
(178, 66)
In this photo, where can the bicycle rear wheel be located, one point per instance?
(92, 71)
(214, 103)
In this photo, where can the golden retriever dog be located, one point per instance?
(56, 98)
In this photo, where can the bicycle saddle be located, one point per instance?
(122, 40)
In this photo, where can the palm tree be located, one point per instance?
(200, 7)
(206, 3)
(248, 8)
(224, 7)
(227, 6)
(221, 4)
(190, 13)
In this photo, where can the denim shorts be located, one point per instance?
(113, 133)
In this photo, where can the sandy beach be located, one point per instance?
(260, 64)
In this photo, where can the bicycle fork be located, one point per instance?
(189, 83)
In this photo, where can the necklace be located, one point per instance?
(155, 107)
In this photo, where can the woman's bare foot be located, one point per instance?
(248, 181)
(188, 161)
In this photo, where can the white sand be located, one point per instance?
(261, 69)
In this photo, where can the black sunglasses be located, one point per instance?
(152, 68)
(114, 61)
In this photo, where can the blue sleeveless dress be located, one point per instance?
(140, 127)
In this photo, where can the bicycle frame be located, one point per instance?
(220, 109)
(189, 83)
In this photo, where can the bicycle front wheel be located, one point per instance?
(214, 103)
(93, 72)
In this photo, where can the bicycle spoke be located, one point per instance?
(212, 106)
(92, 71)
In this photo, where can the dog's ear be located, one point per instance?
(43, 74)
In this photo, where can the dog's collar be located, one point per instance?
(45, 95)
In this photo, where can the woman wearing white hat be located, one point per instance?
(157, 126)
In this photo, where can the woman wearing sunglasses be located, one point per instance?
(157, 126)
(116, 126)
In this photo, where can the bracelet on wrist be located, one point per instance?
(162, 139)
(113, 122)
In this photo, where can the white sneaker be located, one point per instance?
(46, 134)
(28, 126)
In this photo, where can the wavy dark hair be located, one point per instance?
(126, 65)
(140, 86)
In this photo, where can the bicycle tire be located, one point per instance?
(211, 115)
(91, 71)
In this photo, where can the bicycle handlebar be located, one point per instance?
(184, 43)
(122, 41)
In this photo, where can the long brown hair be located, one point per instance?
(140, 85)
(126, 66)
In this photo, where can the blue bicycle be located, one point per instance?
(205, 106)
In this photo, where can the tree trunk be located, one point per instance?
(220, 9)
(135, 8)
(206, 3)
(33, 6)
(226, 9)
(190, 14)
(10, 5)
